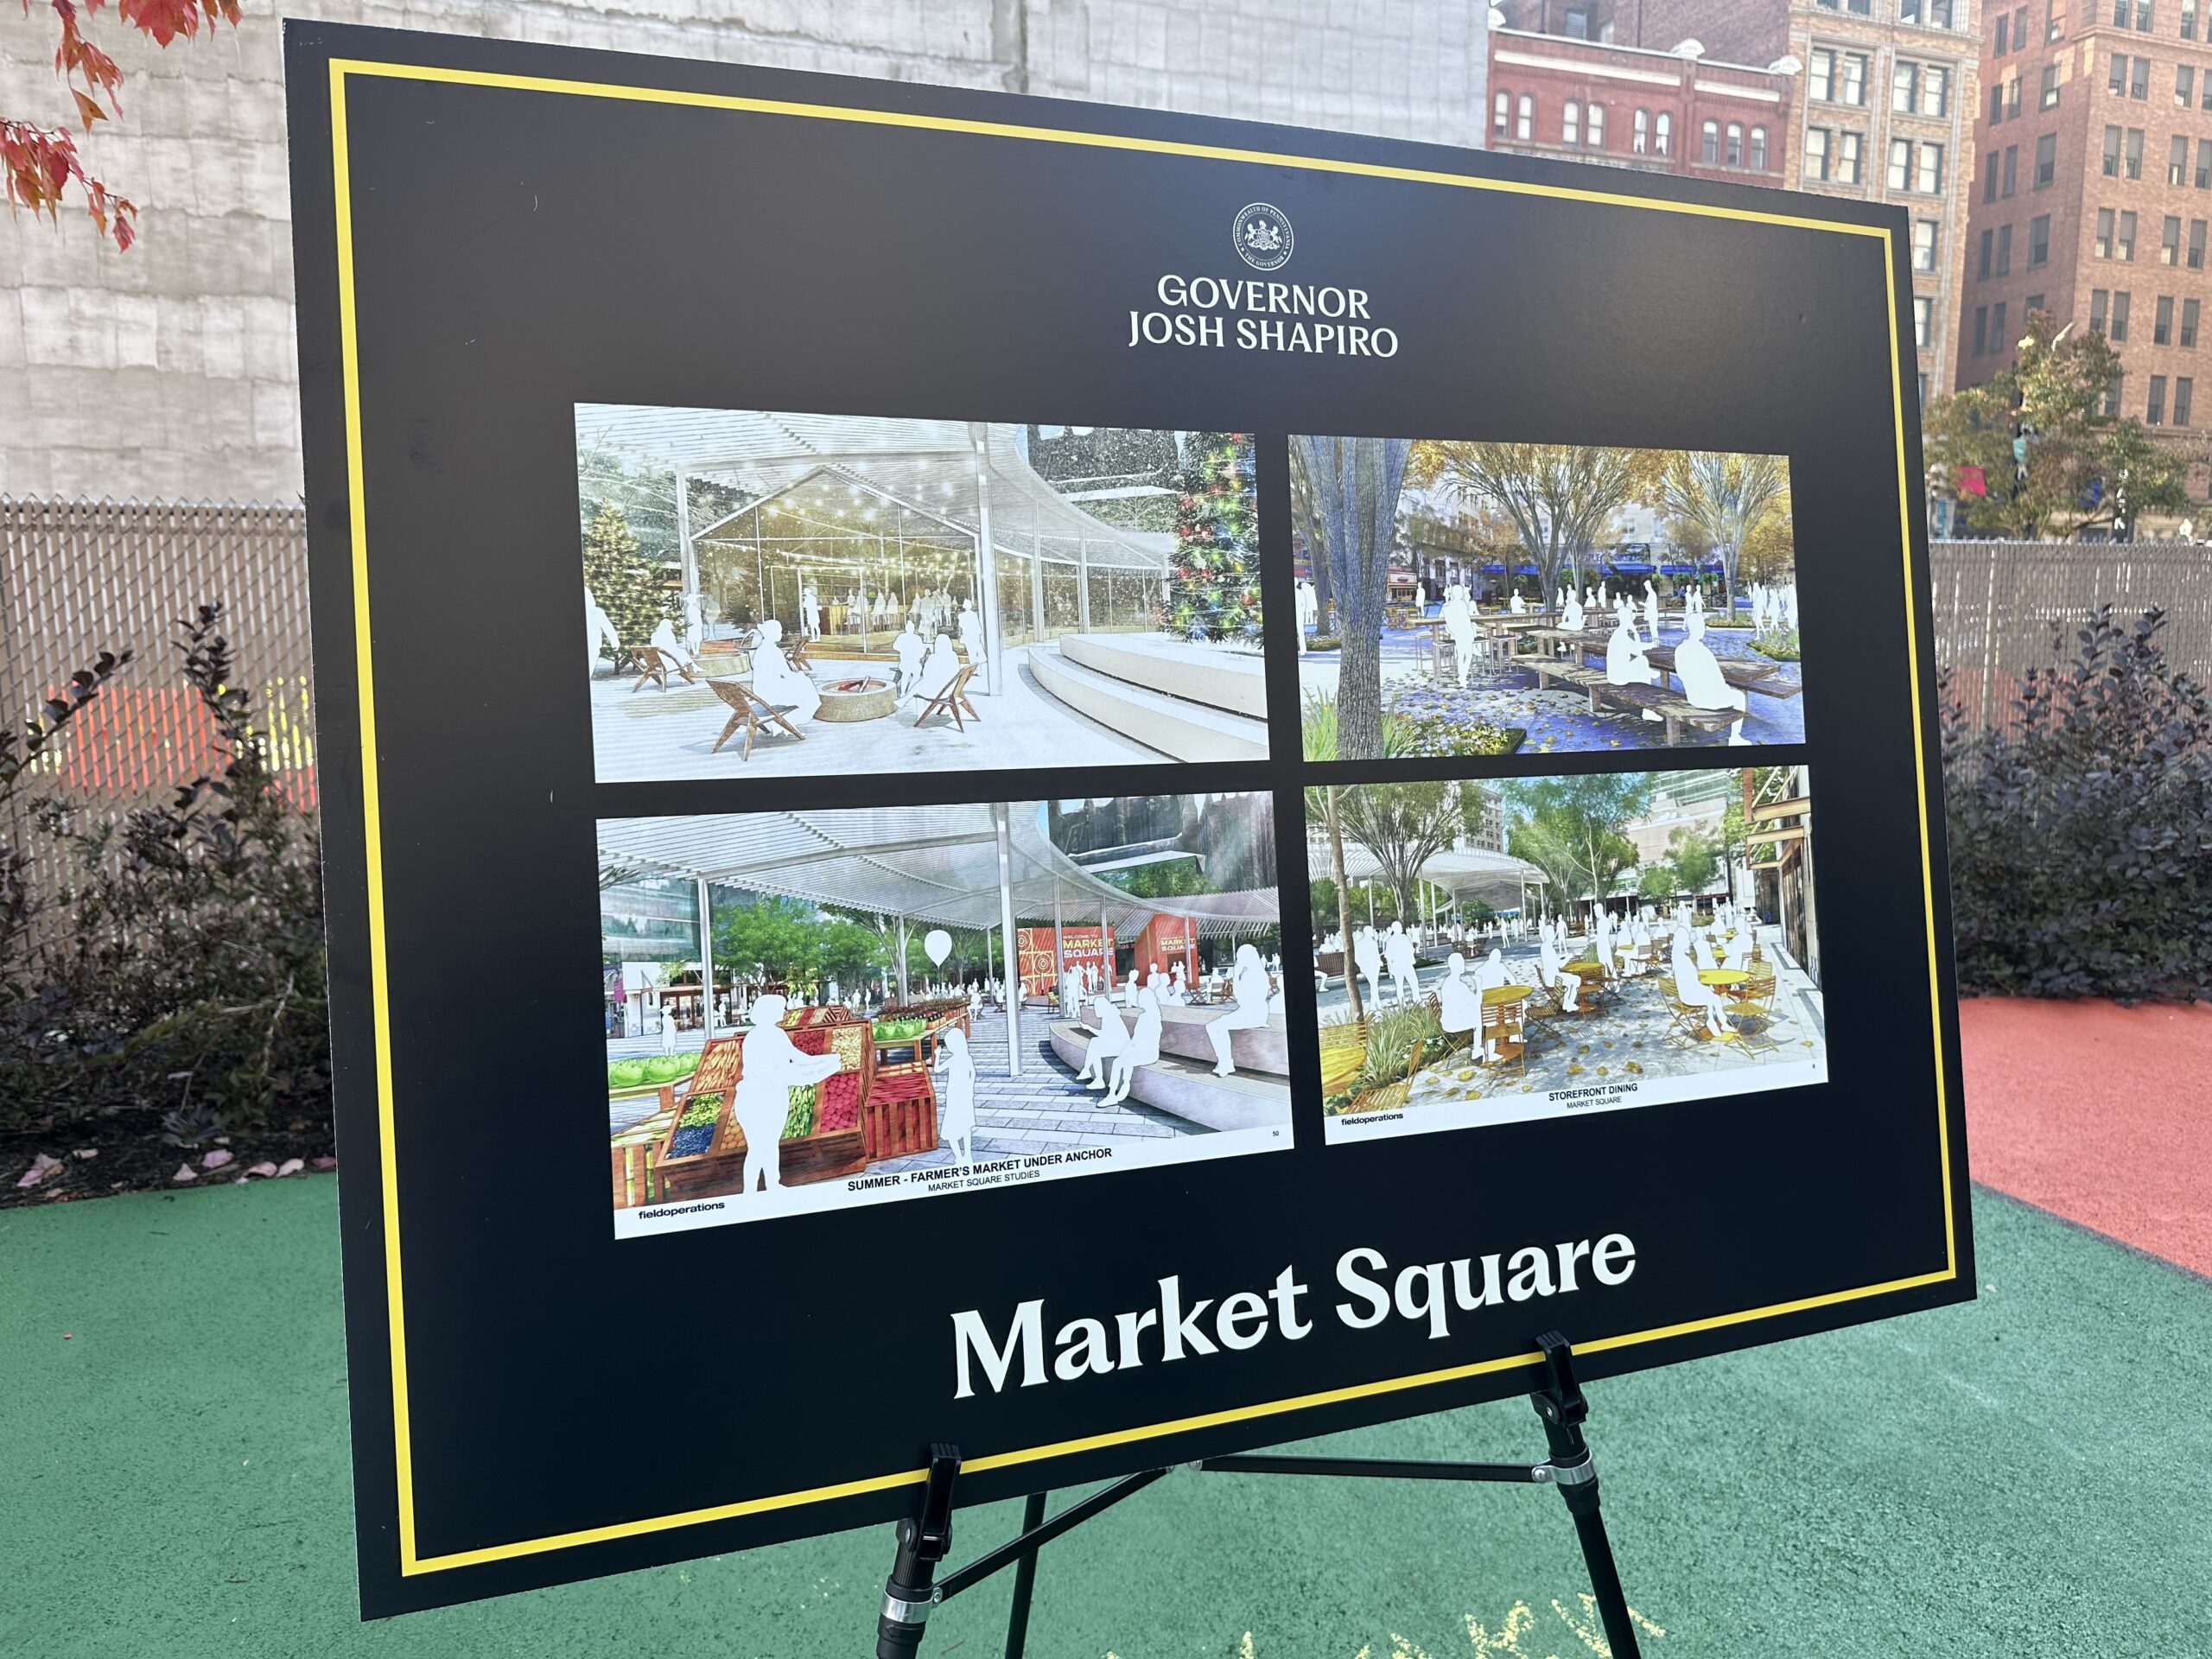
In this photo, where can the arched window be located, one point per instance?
(1735, 143)
(1663, 137)
(1500, 114)
(1642, 139)
(1758, 149)
(1595, 125)
(1526, 128)
(1570, 122)
(1709, 149)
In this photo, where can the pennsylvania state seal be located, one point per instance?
(1262, 236)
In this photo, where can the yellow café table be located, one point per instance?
(1724, 980)
(1504, 997)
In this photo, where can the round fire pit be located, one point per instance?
(851, 700)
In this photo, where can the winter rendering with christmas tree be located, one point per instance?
(773, 594)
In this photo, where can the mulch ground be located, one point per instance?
(2099, 1114)
(103, 1156)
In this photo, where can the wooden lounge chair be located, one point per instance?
(658, 665)
(953, 701)
(749, 709)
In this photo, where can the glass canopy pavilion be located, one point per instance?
(874, 513)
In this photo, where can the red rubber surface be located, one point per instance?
(2097, 1113)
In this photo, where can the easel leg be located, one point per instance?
(1024, 1580)
(1561, 1404)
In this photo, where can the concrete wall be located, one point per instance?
(168, 373)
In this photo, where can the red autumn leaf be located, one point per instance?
(87, 111)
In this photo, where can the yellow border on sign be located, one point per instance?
(411, 1563)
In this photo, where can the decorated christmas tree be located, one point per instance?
(623, 581)
(1213, 584)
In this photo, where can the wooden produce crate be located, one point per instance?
(688, 1165)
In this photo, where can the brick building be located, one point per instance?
(1558, 91)
(2094, 194)
(1884, 111)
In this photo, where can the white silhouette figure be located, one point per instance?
(972, 631)
(1367, 958)
(1179, 989)
(776, 681)
(599, 633)
(1247, 985)
(695, 621)
(938, 671)
(761, 1100)
(1515, 605)
(1308, 604)
(1555, 975)
(1571, 616)
(1459, 1007)
(1458, 618)
(1108, 1040)
(910, 650)
(664, 641)
(1143, 1047)
(1703, 684)
(810, 613)
(1398, 956)
(1689, 988)
(956, 1117)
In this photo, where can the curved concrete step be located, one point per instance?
(1246, 1100)
(1179, 729)
(1235, 680)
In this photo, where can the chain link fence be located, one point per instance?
(80, 578)
(1999, 604)
(77, 577)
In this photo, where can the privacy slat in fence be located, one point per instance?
(78, 577)
(1997, 605)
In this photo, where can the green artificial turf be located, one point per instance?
(2024, 1476)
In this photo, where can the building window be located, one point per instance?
(1996, 102)
(2184, 389)
(2103, 244)
(1932, 169)
(1640, 131)
(2188, 313)
(1924, 244)
(1735, 153)
(1900, 175)
(2012, 98)
(1998, 339)
(2050, 99)
(1525, 128)
(1663, 134)
(1500, 114)
(2124, 247)
(2004, 250)
(1934, 90)
(1578, 25)
(1984, 265)
(2178, 160)
(2054, 21)
(1850, 158)
(2162, 321)
(2154, 407)
(2135, 152)
(2046, 161)
(1923, 319)
(1758, 149)
(2120, 300)
(1570, 122)
(2143, 17)
(2099, 299)
(2004, 30)
(2189, 20)
(2012, 168)
(1988, 176)
(2112, 394)
(1819, 85)
(1595, 125)
(2170, 241)
(1709, 144)
(2138, 79)
(2116, 81)
(2184, 86)
(1853, 68)
(1905, 86)
(2112, 136)
(1818, 141)
(2039, 241)
(1980, 329)
(2204, 163)
(2197, 245)
(2033, 304)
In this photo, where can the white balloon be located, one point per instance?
(938, 945)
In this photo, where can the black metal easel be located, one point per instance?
(914, 1590)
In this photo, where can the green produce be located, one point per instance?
(801, 1121)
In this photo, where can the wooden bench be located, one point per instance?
(1669, 705)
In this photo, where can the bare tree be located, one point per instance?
(1728, 498)
(1558, 497)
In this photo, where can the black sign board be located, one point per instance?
(1056, 886)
